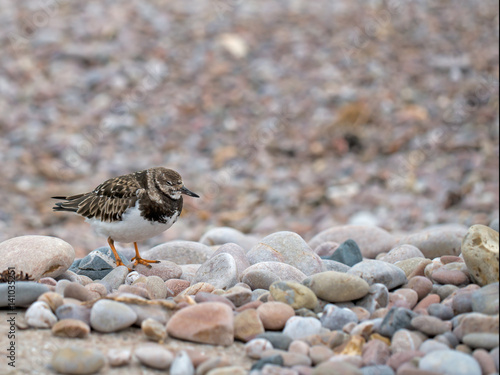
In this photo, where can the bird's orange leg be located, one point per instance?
(113, 249)
(138, 258)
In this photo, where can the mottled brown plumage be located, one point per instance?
(122, 206)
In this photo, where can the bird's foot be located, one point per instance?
(139, 260)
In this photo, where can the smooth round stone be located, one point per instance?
(480, 253)
(247, 325)
(99, 290)
(413, 267)
(154, 330)
(440, 311)
(348, 253)
(176, 286)
(207, 323)
(293, 294)
(377, 297)
(437, 241)
(165, 270)
(409, 296)
(220, 271)
(485, 361)
(254, 348)
(450, 362)
(335, 318)
(71, 311)
(378, 370)
(481, 340)
(289, 248)
(485, 300)
(225, 235)
(402, 252)
(347, 287)
(299, 327)
(71, 328)
(237, 252)
(430, 325)
(77, 291)
(111, 316)
(228, 370)
(180, 253)
(156, 287)
(116, 277)
(36, 256)
(278, 340)
(182, 364)
(370, 239)
(39, 315)
(396, 319)
(154, 356)
(375, 352)
(453, 277)
(474, 323)
(262, 275)
(404, 341)
(378, 272)
(24, 293)
(73, 360)
(462, 301)
(420, 284)
(299, 347)
(274, 315)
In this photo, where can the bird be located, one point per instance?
(131, 208)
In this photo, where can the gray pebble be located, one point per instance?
(22, 293)
(111, 316)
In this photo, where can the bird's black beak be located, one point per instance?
(185, 190)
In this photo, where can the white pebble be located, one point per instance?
(39, 315)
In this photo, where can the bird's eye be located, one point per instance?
(169, 183)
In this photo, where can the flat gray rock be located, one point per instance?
(21, 294)
(378, 272)
(98, 263)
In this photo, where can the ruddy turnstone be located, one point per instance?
(132, 207)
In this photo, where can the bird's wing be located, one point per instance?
(107, 202)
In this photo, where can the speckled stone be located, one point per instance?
(289, 248)
(402, 252)
(294, 294)
(220, 271)
(480, 252)
(36, 256)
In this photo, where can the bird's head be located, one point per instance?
(169, 182)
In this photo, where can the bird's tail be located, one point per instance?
(70, 204)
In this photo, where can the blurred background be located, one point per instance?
(284, 115)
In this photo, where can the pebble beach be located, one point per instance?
(424, 304)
